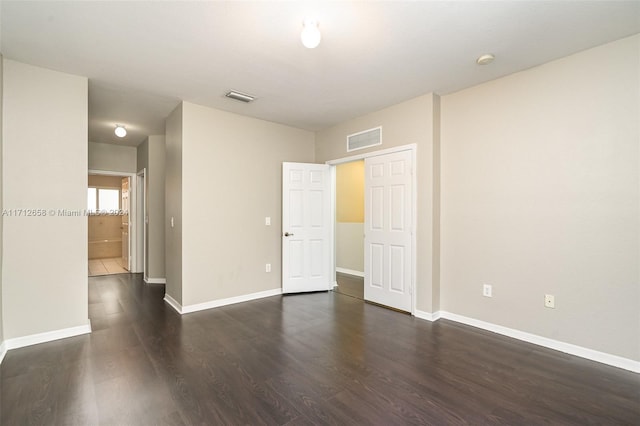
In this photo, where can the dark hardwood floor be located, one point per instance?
(321, 358)
(350, 285)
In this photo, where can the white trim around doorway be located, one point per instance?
(410, 147)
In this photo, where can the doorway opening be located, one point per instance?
(389, 235)
(110, 231)
(349, 228)
(310, 223)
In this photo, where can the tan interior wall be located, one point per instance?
(1, 219)
(156, 207)
(45, 138)
(237, 162)
(540, 195)
(103, 181)
(350, 192)
(110, 157)
(173, 204)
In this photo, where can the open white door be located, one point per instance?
(388, 228)
(306, 227)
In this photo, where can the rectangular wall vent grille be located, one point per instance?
(360, 140)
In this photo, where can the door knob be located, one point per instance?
(286, 234)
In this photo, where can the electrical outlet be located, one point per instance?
(487, 290)
(267, 267)
(549, 301)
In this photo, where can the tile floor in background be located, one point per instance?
(107, 266)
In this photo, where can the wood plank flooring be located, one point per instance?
(350, 285)
(321, 358)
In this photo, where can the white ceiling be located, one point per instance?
(142, 58)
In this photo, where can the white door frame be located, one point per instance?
(133, 228)
(414, 199)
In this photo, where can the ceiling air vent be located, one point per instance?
(365, 139)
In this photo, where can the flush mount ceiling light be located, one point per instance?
(238, 96)
(485, 59)
(120, 131)
(310, 35)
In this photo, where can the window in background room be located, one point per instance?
(103, 200)
(92, 200)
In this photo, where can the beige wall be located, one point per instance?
(1, 204)
(231, 180)
(104, 181)
(151, 155)
(411, 122)
(142, 155)
(52, 296)
(350, 192)
(157, 162)
(434, 184)
(173, 204)
(113, 158)
(350, 246)
(540, 194)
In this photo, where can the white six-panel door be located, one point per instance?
(306, 227)
(388, 230)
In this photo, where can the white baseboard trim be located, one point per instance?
(591, 354)
(3, 351)
(173, 303)
(155, 280)
(49, 336)
(230, 301)
(220, 302)
(427, 315)
(350, 272)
